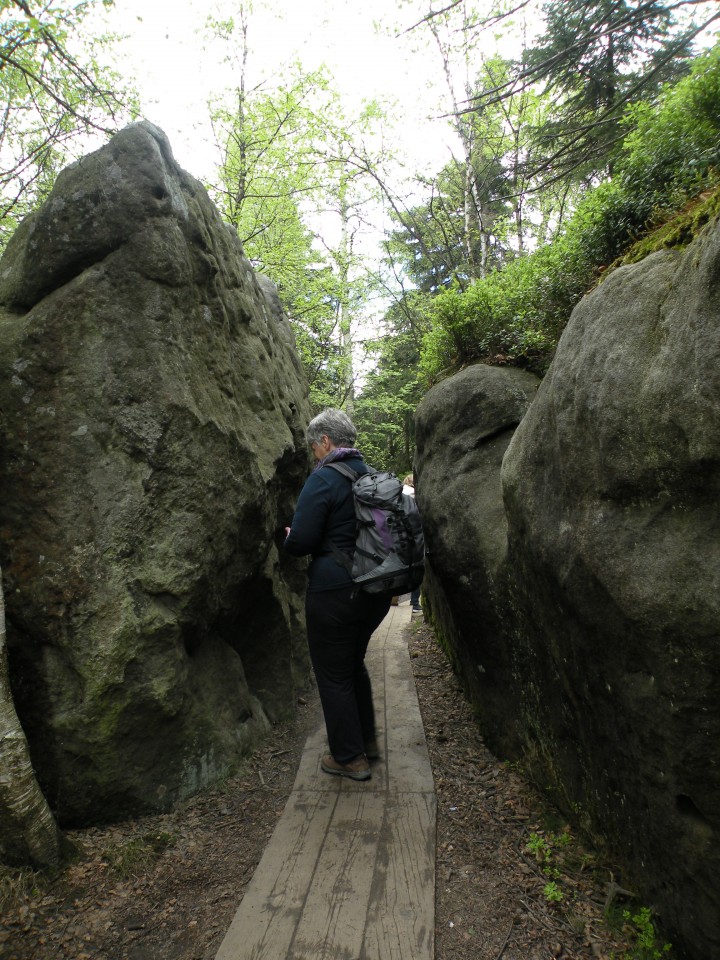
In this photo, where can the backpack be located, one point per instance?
(389, 553)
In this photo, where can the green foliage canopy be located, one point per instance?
(516, 315)
(271, 176)
(593, 59)
(292, 175)
(385, 410)
(52, 97)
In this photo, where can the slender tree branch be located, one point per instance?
(481, 25)
(531, 75)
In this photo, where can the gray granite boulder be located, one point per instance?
(463, 428)
(611, 486)
(152, 408)
(585, 616)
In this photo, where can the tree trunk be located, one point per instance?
(344, 312)
(29, 835)
(470, 215)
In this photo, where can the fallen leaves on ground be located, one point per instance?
(167, 887)
(491, 891)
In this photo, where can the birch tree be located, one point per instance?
(477, 212)
(29, 835)
(293, 183)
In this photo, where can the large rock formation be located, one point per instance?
(463, 428)
(609, 685)
(153, 408)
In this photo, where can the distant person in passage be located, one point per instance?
(340, 617)
(409, 489)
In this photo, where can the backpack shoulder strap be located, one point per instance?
(352, 475)
(344, 469)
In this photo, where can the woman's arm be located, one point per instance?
(308, 528)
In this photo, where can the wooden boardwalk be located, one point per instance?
(349, 873)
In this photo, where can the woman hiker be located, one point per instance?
(340, 617)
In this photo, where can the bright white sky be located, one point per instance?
(174, 75)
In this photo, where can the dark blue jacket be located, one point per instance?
(325, 516)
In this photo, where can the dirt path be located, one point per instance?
(513, 882)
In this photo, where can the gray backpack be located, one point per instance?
(389, 553)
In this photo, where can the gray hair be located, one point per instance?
(334, 424)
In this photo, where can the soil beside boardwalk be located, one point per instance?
(167, 887)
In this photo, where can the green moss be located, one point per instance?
(677, 232)
(440, 637)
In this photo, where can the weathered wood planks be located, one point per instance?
(349, 873)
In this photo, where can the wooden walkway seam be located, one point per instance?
(349, 873)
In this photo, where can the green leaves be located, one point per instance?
(295, 183)
(674, 140)
(270, 178)
(51, 98)
(594, 58)
(385, 410)
(516, 314)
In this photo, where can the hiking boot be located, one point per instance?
(372, 750)
(357, 769)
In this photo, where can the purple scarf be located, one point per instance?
(339, 453)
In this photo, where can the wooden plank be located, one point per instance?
(404, 765)
(267, 918)
(309, 773)
(374, 661)
(310, 776)
(400, 921)
(349, 872)
(333, 922)
(409, 767)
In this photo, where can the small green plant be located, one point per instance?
(517, 766)
(646, 946)
(545, 850)
(552, 892)
(538, 847)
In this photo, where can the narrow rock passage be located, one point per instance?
(167, 887)
(350, 869)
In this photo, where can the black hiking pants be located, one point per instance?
(340, 624)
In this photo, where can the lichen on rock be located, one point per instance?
(153, 409)
(584, 611)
